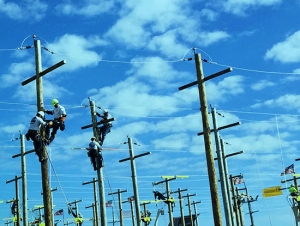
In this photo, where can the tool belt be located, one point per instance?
(33, 131)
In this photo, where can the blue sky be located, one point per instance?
(128, 57)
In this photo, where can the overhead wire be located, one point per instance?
(210, 61)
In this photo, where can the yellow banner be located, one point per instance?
(272, 191)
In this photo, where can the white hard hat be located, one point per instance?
(105, 111)
(93, 138)
(41, 113)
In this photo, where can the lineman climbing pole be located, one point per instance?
(40, 107)
(17, 198)
(166, 180)
(99, 169)
(206, 133)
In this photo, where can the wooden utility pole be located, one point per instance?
(76, 208)
(235, 204)
(93, 206)
(240, 207)
(195, 211)
(134, 179)
(146, 222)
(40, 107)
(249, 200)
(189, 206)
(223, 156)
(180, 204)
(206, 132)
(95, 200)
(17, 198)
(99, 169)
(224, 187)
(120, 204)
(24, 178)
(131, 200)
(166, 180)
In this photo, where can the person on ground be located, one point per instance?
(59, 114)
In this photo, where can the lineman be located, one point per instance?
(78, 217)
(105, 128)
(94, 152)
(14, 207)
(34, 133)
(60, 115)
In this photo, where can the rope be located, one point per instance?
(57, 178)
(109, 185)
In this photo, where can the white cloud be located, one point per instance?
(180, 140)
(17, 73)
(191, 122)
(209, 14)
(158, 72)
(28, 9)
(13, 129)
(168, 44)
(239, 7)
(76, 50)
(229, 86)
(262, 84)
(287, 51)
(208, 38)
(88, 8)
(287, 101)
(135, 94)
(28, 92)
(160, 25)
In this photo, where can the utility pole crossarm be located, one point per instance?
(98, 123)
(136, 156)
(53, 67)
(25, 153)
(12, 180)
(206, 78)
(222, 127)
